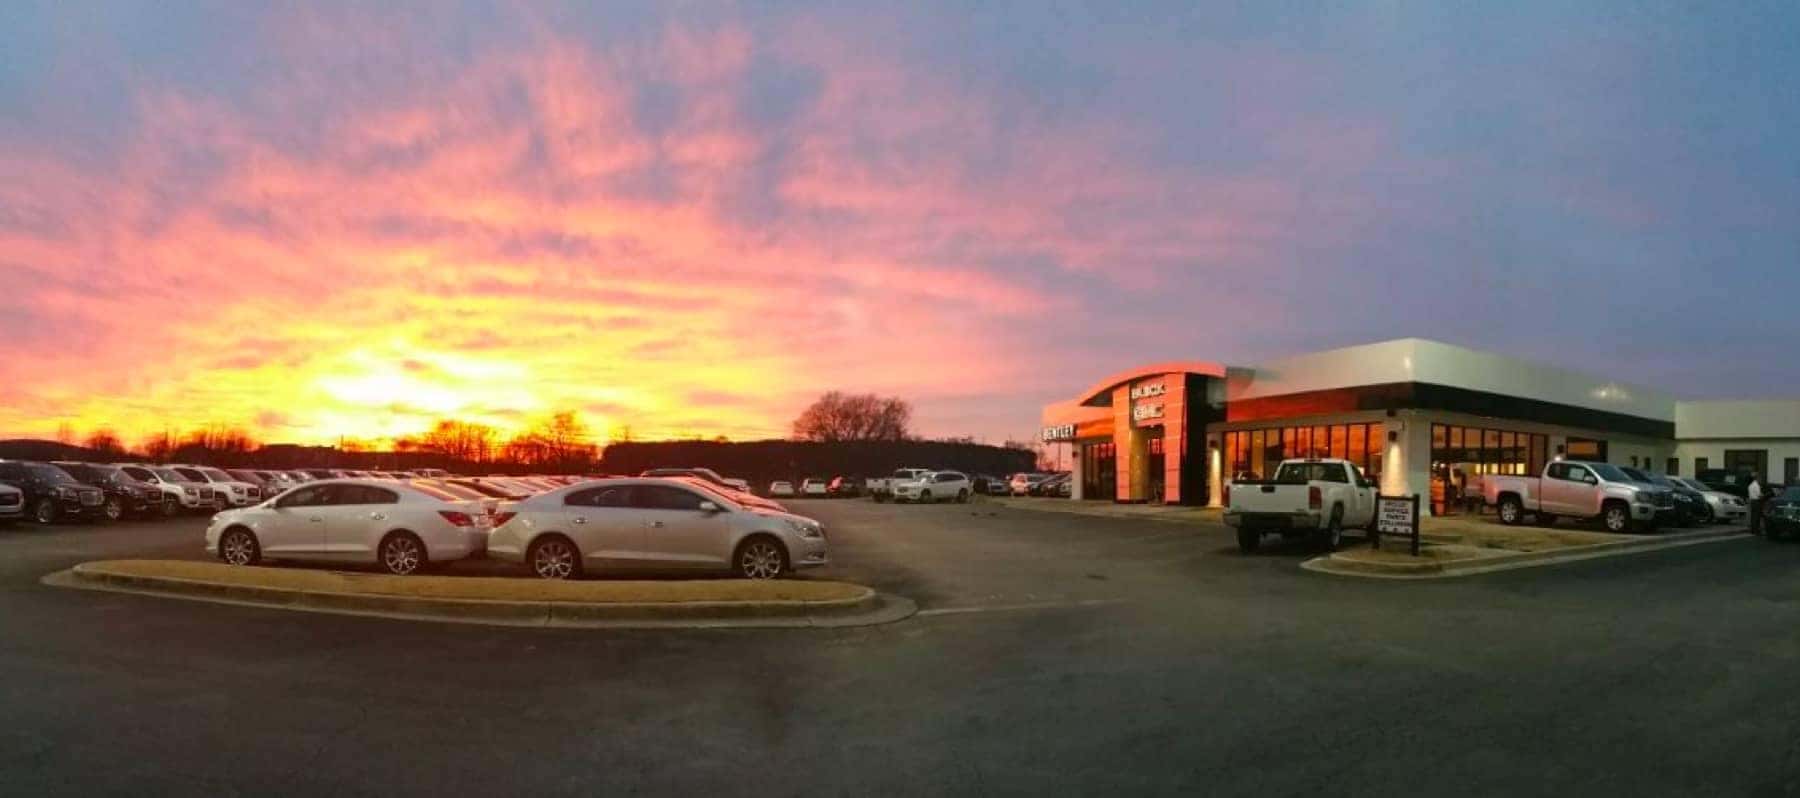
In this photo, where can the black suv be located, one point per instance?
(125, 495)
(50, 493)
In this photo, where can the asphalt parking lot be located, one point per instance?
(1053, 654)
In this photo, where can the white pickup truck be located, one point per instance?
(1313, 497)
(1577, 489)
(882, 489)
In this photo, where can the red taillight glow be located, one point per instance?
(1315, 498)
(459, 519)
(1228, 495)
(500, 519)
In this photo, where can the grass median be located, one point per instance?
(478, 588)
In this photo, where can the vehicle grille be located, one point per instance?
(1663, 499)
(253, 492)
(206, 493)
(92, 498)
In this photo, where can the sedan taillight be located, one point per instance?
(500, 519)
(459, 519)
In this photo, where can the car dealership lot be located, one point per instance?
(1053, 653)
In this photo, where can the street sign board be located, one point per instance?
(1397, 515)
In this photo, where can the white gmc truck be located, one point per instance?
(1319, 498)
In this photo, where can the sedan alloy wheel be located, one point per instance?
(239, 548)
(402, 554)
(761, 559)
(553, 559)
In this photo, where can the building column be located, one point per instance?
(1215, 471)
(1077, 450)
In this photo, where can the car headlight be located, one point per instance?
(191, 491)
(806, 529)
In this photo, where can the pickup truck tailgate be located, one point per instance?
(1256, 498)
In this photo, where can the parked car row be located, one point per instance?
(586, 526)
(50, 492)
(1621, 499)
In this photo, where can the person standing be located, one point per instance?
(1755, 495)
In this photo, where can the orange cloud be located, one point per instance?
(561, 225)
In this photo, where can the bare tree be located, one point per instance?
(158, 447)
(562, 442)
(105, 443)
(838, 416)
(460, 440)
(65, 434)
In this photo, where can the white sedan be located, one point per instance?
(935, 486)
(781, 487)
(815, 487)
(655, 524)
(397, 526)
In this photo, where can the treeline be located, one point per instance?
(762, 462)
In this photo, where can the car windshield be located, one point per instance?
(1610, 473)
(455, 490)
(718, 496)
(435, 492)
(50, 473)
(171, 475)
(1791, 495)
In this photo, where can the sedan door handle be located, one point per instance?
(377, 516)
(580, 520)
(657, 524)
(317, 520)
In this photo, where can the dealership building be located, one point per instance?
(1412, 412)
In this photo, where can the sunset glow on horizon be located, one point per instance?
(324, 223)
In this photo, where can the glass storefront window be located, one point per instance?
(1260, 451)
(1470, 452)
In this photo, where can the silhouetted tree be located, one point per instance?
(105, 444)
(561, 442)
(160, 446)
(838, 416)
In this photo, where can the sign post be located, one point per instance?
(1397, 515)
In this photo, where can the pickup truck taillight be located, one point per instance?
(1227, 494)
(1315, 498)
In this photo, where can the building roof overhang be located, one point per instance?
(1100, 393)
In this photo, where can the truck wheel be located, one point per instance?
(1512, 512)
(1333, 535)
(1249, 540)
(1616, 518)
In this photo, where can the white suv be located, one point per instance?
(178, 490)
(231, 492)
(935, 486)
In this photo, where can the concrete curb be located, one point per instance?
(868, 609)
(1339, 566)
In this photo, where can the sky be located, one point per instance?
(319, 220)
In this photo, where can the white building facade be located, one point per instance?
(1415, 413)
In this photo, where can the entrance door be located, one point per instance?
(1154, 485)
(1099, 471)
(1742, 461)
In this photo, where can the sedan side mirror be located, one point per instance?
(709, 507)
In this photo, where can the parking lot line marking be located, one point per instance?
(1038, 605)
